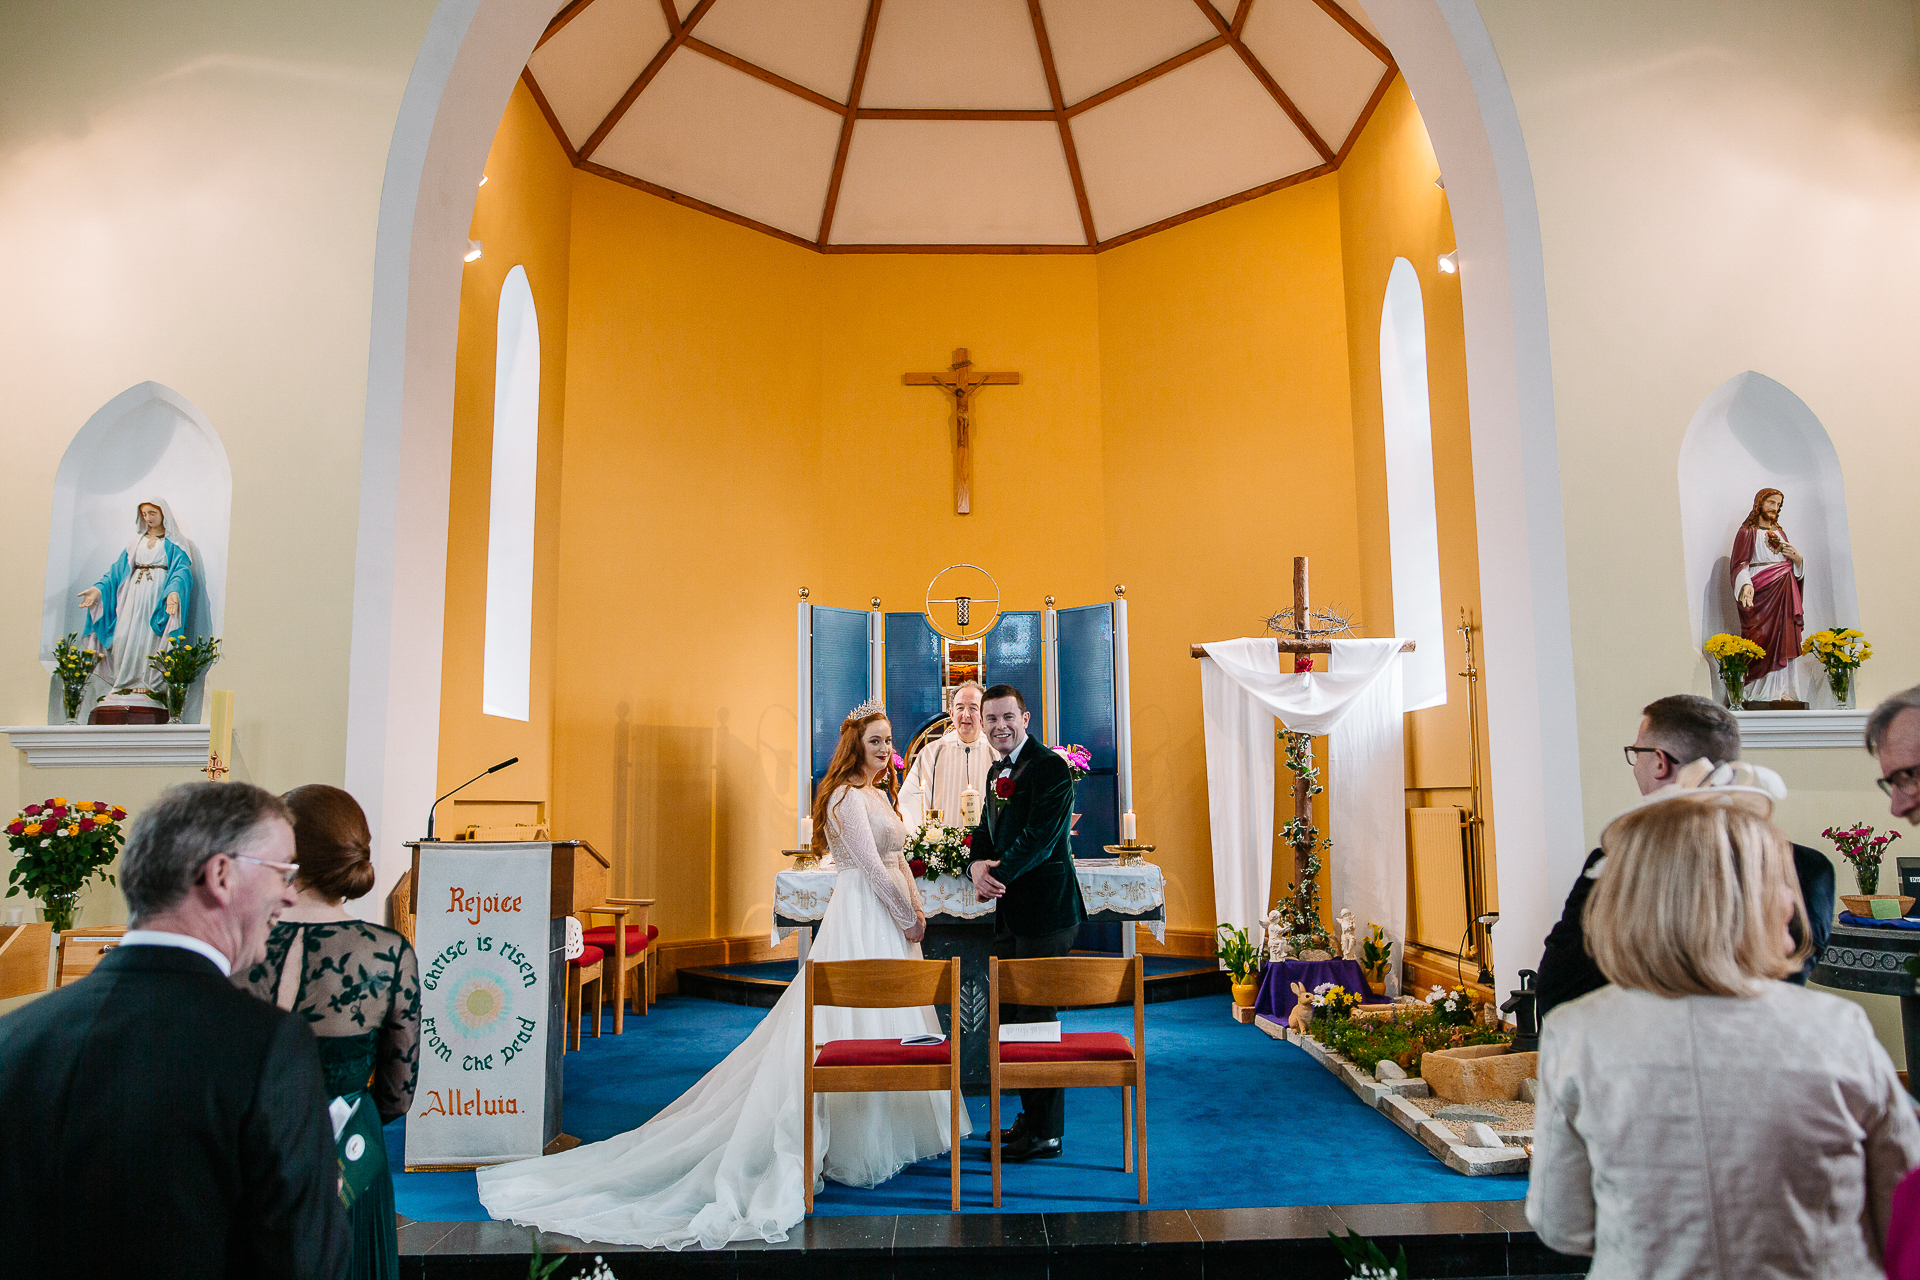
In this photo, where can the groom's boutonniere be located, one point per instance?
(1002, 791)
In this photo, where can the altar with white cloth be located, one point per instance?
(959, 924)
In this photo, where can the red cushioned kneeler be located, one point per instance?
(1096, 1046)
(881, 1053)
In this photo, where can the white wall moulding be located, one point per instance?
(1761, 730)
(115, 746)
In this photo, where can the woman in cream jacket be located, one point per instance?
(1700, 1117)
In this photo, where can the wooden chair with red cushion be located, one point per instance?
(1080, 1059)
(588, 969)
(883, 1066)
(631, 978)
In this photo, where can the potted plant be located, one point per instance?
(1860, 846)
(179, 665)
(1841, 650)
(1732, 656)
(1234, 949)
(60, 847)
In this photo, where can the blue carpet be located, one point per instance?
(1234, 1120)
(783, 970)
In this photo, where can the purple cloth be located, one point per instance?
(1276, 998)
(1903, 1231)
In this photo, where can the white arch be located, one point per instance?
(458, 88)
(1413, 527)
(1750, 434)
(148, 441)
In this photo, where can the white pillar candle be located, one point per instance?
(969, 807)
(1127, 827)
(806, 832)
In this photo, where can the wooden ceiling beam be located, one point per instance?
(560, 20)
(546, 109)
(1366, 114)
(1060, 119)
(627, 99)
(847, 122)
(1225, 202)
(673, 14)
(1278, 94)
(1358, 32)
(691, 202)
(773, 78)
(1174, 63)
(948, 113)
(1240, 16)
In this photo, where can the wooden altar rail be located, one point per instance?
(1301, 646)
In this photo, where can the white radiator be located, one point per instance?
(1437, 878)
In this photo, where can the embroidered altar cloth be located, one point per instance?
(1105, 887)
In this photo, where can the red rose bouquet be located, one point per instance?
(60, 847)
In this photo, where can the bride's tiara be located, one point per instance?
(871, 707)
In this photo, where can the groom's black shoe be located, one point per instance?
(1011, 1134)
(1027, 1147)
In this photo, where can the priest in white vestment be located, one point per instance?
(950, 773)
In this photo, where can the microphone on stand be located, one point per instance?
(463, 786)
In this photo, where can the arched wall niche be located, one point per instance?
(149, 441)
(1413, 528)
(1751, 434)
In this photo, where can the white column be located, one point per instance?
(1050, 674)
(877, 653)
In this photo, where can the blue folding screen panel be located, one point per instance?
(913, 676)
(840, 654)
(1010, 654)
(1087, 717)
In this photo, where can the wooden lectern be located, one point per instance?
(490, 935)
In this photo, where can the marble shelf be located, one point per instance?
(111, 746)
(1774, 730)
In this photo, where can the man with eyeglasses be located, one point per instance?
(1674, 732)
(157, 1120)
(1893, 736)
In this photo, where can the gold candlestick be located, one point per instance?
(803, 859)
(1130, 853)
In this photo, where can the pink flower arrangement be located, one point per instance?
(1859, 845)
(1079, 759)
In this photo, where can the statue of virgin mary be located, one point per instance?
(139, 604)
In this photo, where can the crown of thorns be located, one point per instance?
(1320, 624)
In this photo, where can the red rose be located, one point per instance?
(58, 812)
(918, 868)
(31, 809)
(86, 824)
(1003, 786)
(15, 827)
(966, 841)
(119, 814)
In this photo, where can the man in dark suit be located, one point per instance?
(1022, 858)
(1674, 732)
(157, 1121)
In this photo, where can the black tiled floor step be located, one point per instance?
(1471, 1239)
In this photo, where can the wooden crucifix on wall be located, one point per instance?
(961, 382)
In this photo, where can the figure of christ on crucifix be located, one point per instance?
(961, 382)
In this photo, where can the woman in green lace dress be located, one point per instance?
(358, 987)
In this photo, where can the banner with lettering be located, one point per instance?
(481, 934)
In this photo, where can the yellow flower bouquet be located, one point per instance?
(1841, 650)
(1733, 655)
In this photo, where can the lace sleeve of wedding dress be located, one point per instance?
(913, 886)
(850, 836)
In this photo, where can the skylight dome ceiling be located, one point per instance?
(1053, 125)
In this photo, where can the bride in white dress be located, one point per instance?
(723, 1162)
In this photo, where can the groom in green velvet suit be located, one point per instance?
(1022, 858)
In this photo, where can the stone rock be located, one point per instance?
(1316, 955)
(1484, 1136)
(1529, 1090)
(1478, 1073)
(1465, 1114)
(1388, 1069)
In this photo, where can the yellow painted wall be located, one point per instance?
(1229, 451)
(522, 217)
(1390, 208)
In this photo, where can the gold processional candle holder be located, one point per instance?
(1130, 854)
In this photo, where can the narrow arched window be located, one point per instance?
(506, 672)
(1412, 527)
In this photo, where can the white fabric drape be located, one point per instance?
(1357, 703)
(1239, 738)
